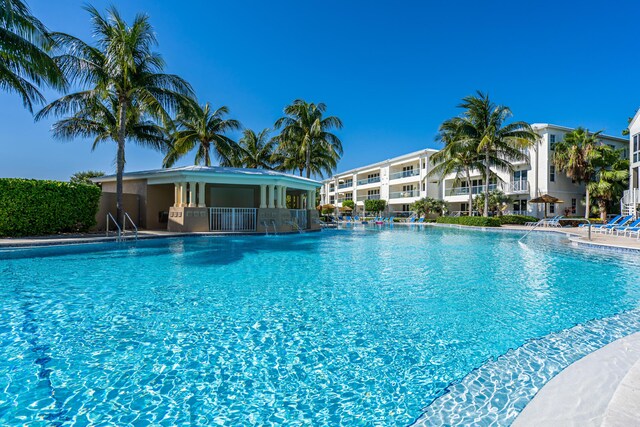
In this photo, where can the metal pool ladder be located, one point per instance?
(110, 218)
(133, 225)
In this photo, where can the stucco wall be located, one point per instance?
(108, 205)
(159, 199)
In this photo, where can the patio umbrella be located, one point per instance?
(346, 209)
(546, 199)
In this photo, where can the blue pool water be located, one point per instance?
(352, 327)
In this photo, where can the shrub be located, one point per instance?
(30, 207)
(348, 204)
(516, 219)
(371, 205)
(477, 221)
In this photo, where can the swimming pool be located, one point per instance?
(353, 327)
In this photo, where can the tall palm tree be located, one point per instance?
(611, 178)
(198, 126)
(483, 125)
(577, 155)
(256, 150)
(124, 93)
(25, 63)
(459, 156)
(306, 131)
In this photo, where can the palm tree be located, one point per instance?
(483, 125)
(577, 155)
(256, 150)
(124, 94)
(459, 156)
(25, 45)
(199, 126)
(306, 136)
(610, 178)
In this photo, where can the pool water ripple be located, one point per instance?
(349, 327)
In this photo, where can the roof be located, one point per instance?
(392, 159)
(212, 171)
(568, 129)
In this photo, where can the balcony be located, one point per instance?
(517, 187)
(402, 194)
(368, 180)
(369, 197)
(464, 191)
(347, 184)
(342, 199)
(404, 174)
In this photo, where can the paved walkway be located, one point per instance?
(601, 389)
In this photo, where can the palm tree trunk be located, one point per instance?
(486, 184)
(308, 161)
(470, 192)
(588, 205)
(120, 162)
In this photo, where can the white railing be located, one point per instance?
(630, 197)
(345, 184)
(476, 189)
(232, 219)
(401, 194)
(369, 197)
(299, 216)
(404, 174)
(368, 180)
(518, 187)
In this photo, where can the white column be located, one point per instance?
(283, 197)
(201, 195)
(263, 196)
(311, 199)
(176, 194)
(272, 190)
(183, 194)
(192, 194)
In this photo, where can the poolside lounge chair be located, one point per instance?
(412, 220)
(348, 218)
(610, 222)
(606, 228)
(421, 220)
(635, 225)
(542, 221)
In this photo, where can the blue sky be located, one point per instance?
(392, 71)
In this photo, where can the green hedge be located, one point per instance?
(517, 219)
(478, 221)
(30, 207)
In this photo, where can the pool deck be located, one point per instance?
(601, 389)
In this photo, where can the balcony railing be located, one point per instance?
(463, 191)
(518, 187)
(342, 199)
(404, 174)
(369, 197)
(401, 194)
(346, 184)
(368, 180)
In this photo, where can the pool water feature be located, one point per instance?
(364, 326)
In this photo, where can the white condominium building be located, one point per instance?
(400, 181)
(404, 179)
(530, 179)
(631, 198)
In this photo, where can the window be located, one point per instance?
(332, 187)
(574, 204)
(520, 206)
(552, 173)
(552, 142)
(373, 194)
(406, 208)
(348, 196)
(464, 207)
(407, 187)
(332, 200)
(407, 171)
(520, 175)
(424, 186)
(552, 208)
(636, 148)
(373, 175)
